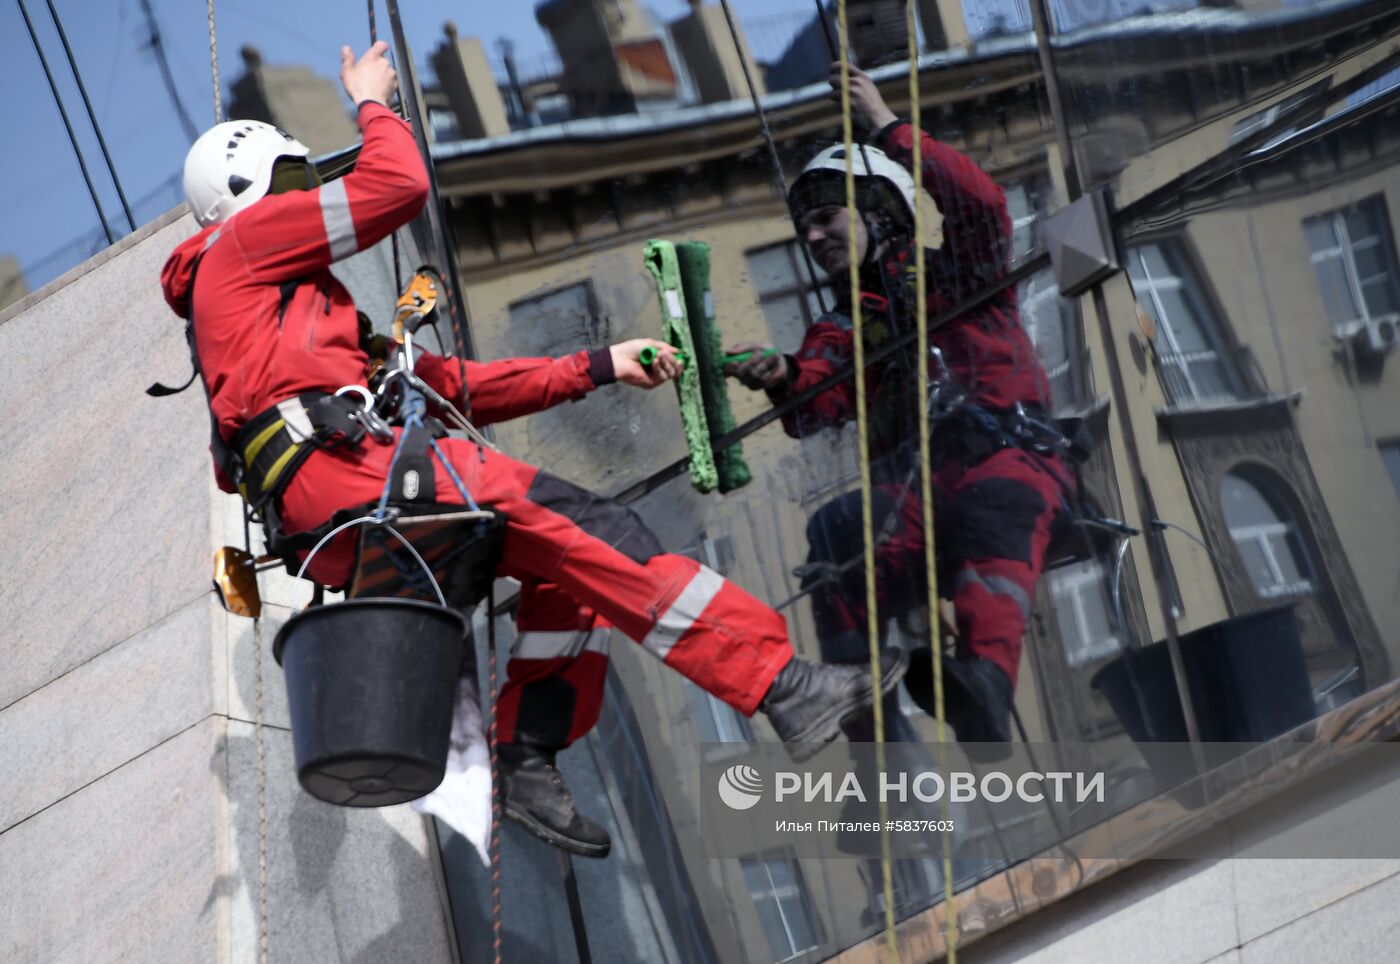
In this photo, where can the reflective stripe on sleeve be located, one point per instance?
(335, 215)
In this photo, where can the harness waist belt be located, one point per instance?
(273, 444)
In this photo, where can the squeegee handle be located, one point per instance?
(744, 356)
(647, 356)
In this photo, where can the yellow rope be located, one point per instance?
(867, 520)
(935, 622)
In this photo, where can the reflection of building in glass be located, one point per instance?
(537, 219)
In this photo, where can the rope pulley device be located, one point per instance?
(417, 305)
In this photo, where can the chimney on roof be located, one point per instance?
(305, 104)
(465, 76)
(705, 44)
(613, 54)
(944, 24)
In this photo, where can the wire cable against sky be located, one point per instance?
(67, 125)
(92, 118)
(157, 44)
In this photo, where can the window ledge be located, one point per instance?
(1187, 414)
(1154, 825)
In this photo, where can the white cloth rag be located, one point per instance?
(463, 799)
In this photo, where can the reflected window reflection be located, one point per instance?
(1052, 323)
(715, 720)
(1356, 267)
(780, 899)
(1375, 88)
(562, 320)
(786, 293)
(1390, 455)
(1266, 535)
(1195, 370)
(1083, 611)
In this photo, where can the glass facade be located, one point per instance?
(1234, 368)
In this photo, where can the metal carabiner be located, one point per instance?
(378, 429)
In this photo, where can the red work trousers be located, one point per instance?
(991, 526)
(585, 563)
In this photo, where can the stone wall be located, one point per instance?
(130, 817)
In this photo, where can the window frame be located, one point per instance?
(1068, 585)
(1273, 491)
(799, 890)
(1178, 253)
(1390, 445)
(801, 287)
(1345, 250)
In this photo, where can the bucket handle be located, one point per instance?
(383, 520)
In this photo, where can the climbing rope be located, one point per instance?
(393, 235)
(214, 66)
(494, 842)
(925, 480)
(262, 789)
(867, 519)
(258, 705)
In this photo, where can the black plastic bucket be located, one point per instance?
(371, 686)
(1247, 676)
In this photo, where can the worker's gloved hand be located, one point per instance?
(628, 368)
(759, 370)
(866, 102)
(369, 78)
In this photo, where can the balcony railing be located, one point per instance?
(1211, 378)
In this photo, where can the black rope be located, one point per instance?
(394, 234)
(158, 45)
(67, 125)
(92, 117)
(576, 918)
(447, 261)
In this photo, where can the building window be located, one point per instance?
(1195, 370)
(1025, 221)
(1084, 611)
(914, 882)
(1052, 323)
(716, 720)
(780, 898)
(1375, 88)
(561, 321)
(1355, 265)
(785, 290)
(1268, 538)
(1268, 115)
(1390, 455)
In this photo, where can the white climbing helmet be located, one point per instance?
(883, 186)
(230, 167)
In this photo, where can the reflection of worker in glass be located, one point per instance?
(996, 487)
(275, 331)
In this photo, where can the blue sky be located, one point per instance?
(46, 216)
(48, 219)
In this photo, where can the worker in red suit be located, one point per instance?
(272, 328)
(997, 481)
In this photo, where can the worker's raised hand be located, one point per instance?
(759, 370)
(628, 367)
(866, 102)
(369, 78)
